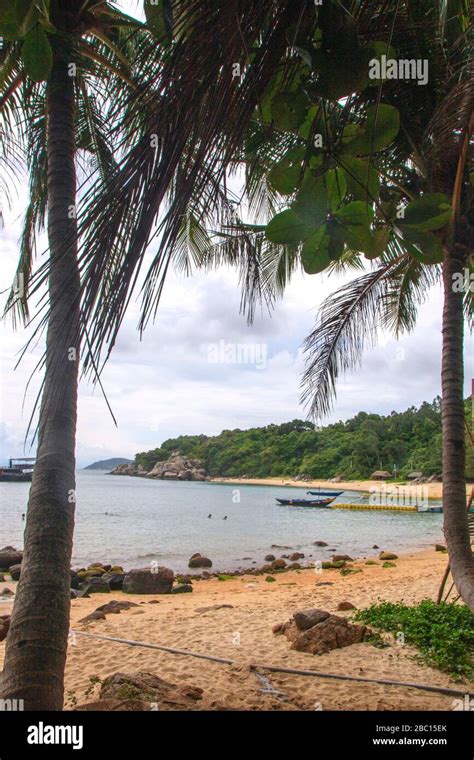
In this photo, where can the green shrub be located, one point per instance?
(444, 633)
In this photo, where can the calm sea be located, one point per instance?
(134, 521)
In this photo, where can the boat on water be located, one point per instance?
(324, 503)
(19, 470)
(325, 493)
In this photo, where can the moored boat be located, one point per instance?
(18, 470)
(325, 493)
(324, 503)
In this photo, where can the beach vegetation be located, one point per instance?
(444, 633)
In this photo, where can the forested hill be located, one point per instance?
(411, 440)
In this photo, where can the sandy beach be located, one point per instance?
(433, 490)
(242, 632)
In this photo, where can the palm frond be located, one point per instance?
(347, 322)
(205, 107)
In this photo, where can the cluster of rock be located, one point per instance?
(317, 631)
(102, 579)
(146, 691)
(177, 467)
(133, 470)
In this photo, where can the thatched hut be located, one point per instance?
(380, 475)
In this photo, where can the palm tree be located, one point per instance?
(436, 123)
(219, 69)
(385, 143)
(62, 62)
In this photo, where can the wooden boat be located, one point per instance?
(18, 471)
(323, 503)
(325, 493)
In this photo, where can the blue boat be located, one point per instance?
(323, 503)
(325, 493)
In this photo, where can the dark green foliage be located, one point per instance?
(352, 449)
(444, 633)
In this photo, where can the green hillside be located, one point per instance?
(353, 449)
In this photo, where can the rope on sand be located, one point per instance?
(278, 668)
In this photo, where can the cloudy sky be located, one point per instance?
(169, 384)
(166, 384)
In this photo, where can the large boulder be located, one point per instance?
(4, 626)
(295, 556)
(178, 467)
(93, 572)
(10, 556)
(388, 555)
(115, 580)
(15, 572)
(145, 691)
(197, 560)
(317, 631)
(145, 581)
(75, 581)
(182, 588)
(96, 586)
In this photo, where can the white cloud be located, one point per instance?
(164, 385)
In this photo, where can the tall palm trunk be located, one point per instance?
(37, 641)
(456, 530)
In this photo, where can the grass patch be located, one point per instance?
(224, 577)
(444, 633)
(389, 564)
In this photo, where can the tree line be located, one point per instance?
(400, 442)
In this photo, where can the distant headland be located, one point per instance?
(108, 464)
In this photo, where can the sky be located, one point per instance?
(179, 379)
(201, 368)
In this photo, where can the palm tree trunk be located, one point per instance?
(37, 641)
(461, 558)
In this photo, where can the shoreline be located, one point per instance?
(435, 490)
(241, 631)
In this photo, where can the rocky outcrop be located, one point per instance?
(178, 467)
(317, 632)
(10, 556)
(129, 469)
(144, 581)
